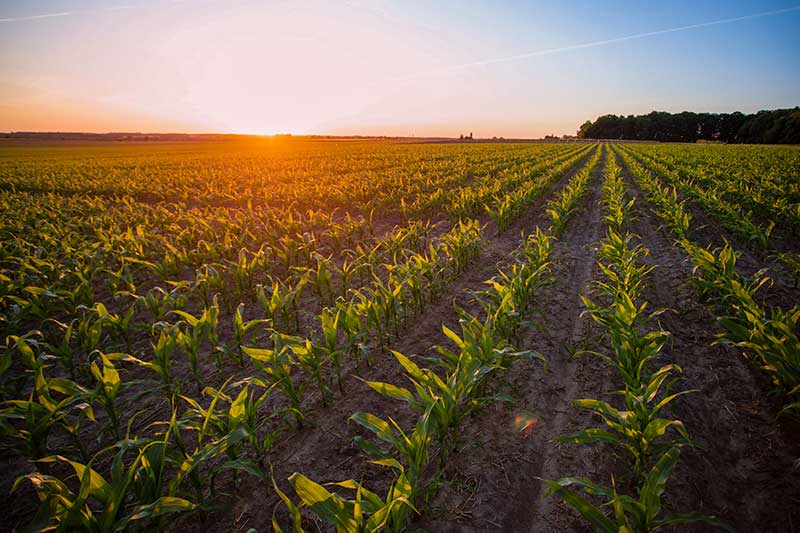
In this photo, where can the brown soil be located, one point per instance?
(493, 484)
(324, 449)
(742, 468)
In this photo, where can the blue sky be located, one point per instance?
(385, 67)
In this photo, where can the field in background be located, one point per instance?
(220, 329)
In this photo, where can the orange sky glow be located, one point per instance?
(374, 67)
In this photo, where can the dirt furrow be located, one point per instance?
(491, 480)
(324, 449)
(740, 468)
(570, 376)
(706, 232)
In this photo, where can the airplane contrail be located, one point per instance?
(549, 51)
(36, 17)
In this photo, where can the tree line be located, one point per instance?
(779, 126)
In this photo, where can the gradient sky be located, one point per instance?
(509, 69)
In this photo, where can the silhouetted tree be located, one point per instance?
(780, 126)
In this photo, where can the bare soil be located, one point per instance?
(324, 449)
(743, 467)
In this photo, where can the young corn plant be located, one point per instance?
(161, 363)
(449, 399)
(366, 513)
(479, 340)
(354, 333)
(243, 271)
(637, 428)
(282, 302)
(505, 210)
(52, 404)
(209, 281)
(640, 514)
(241, 329)
(631, 349)
(463, 243)
(312, 358)
(346, 273)
(119, 326)
(160, 301)
(277, 363)
(108, 386)
(329, 348)
(511, 293)
(88, 332)
(320, 279)
(196, 332)
(411, 446)
(63, 351)
(623, 268)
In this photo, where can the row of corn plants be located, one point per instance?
(635, 428)
(712, 197)
(752, 177)
(471, 201)
(505, 208)
(729, 214)
(766, 335)
(233, 423)
(441, 395)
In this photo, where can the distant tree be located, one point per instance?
(461, 136)
(584, 129)
(780, 126)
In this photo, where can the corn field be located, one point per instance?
(357, 336)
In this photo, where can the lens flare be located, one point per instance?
(525, 423)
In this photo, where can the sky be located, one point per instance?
(385, 67)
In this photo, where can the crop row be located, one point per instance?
(762, 180)
(441, 395)
(766, 335)
(636, 428)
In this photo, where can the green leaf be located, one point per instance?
(653, 486)
(294, 511)
(581, 504)
(326, 505)
(590, 435)
(163, 505)
(380, 427)
(97, 486)
(392, 391)
(674, 519)
(245, 465)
